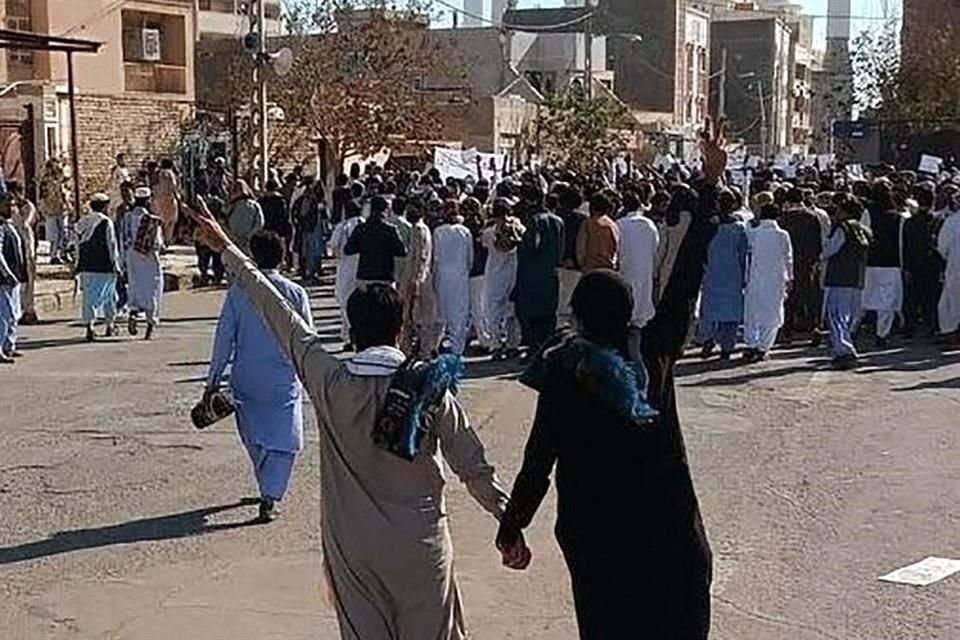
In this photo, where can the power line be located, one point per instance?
(93, 17)
(517, 27)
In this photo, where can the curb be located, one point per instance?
(56, 301)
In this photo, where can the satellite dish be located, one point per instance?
(282, 61)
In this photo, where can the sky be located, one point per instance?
(870, 9)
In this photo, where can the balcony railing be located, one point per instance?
(232, 6)
(152, 77)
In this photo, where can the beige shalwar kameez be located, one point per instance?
(385, 539)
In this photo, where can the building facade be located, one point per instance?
(757, 80)
(132, 97)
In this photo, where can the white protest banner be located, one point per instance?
(855, 172)
(930, 164)
(461, 164)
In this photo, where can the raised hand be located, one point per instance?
(711, 146)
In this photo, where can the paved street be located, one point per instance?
(121, 522)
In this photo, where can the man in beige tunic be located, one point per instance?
(166, 200)
(386, 543)
(416, 289)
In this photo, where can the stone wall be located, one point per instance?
(140, 126)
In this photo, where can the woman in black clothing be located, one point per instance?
(628, 519)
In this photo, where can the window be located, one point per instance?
(19, 19)
(154, 52)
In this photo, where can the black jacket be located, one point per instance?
(379, 244)
(276, 217)
(885, 248)
(12, 247)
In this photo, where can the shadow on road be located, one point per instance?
(185, 319)
(177, 525)
(752, 374)
(52, 343)
(952, 383)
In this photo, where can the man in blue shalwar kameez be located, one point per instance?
(266, 390)
(721, 306)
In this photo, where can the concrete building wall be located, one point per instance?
(646, 71)
(758, 86)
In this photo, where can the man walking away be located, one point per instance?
(25, 221)
(13, 273)
(418, 337)
(166, 200)
(883, 287)
(452, 259)
(721, 305)
(244, 216)
(768, 279)
(269, 416)
(846, 252)
(599, 237)
(637, 252)
(387, 550)
(501, 239)
(806, 238)
(537, 293)
(53, 208)
(276, 214)
(97, 265)
(378, 245)
(569, 205)
(474, 221)
(948, 244)
(922, 264)
(346, 280)
(143, 239)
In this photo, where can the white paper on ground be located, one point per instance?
(925, 572)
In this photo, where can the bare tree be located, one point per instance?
(356, 84)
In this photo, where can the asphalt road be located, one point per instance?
(120, 522)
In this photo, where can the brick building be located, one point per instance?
(132, 97)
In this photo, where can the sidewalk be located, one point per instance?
(55, 289)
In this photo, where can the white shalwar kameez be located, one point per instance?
(500, 278)
(144, 271)
(769, 272)
(637, 257)
(452, 259)
(883, 288)
(948, 244)
(346, 280)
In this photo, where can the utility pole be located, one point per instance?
(763, 122)
(258, 21)
(722, 106)
(588, 56)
